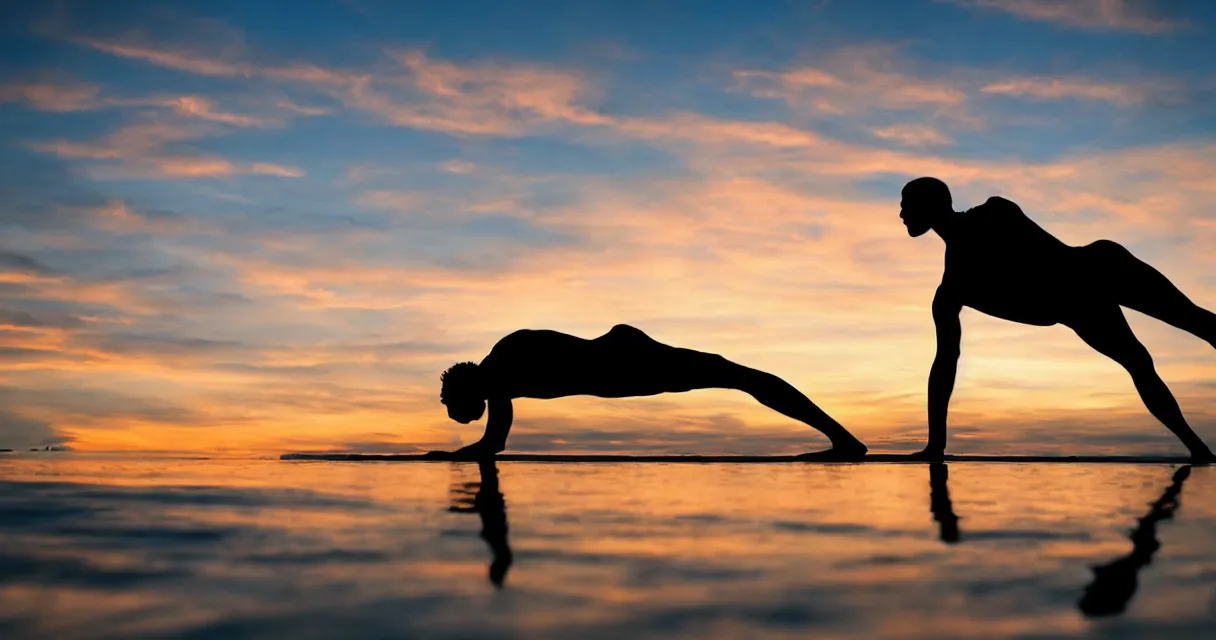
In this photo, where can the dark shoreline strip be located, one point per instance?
(882, 458)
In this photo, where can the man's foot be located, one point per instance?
(835, 454)
(1203, 456)
(928, 455)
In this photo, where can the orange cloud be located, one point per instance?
(143, 150)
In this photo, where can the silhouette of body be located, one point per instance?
(1115, 582)
(484, 499)
(625, 362)
(999, 262)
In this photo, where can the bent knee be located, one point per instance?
(1137, 360)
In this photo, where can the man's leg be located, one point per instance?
(714, 371)
(1106, 330)
(1135, 284)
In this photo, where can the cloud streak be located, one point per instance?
(1136, 16)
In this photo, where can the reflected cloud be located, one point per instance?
(1114, 583)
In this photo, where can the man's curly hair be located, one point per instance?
(460, 381)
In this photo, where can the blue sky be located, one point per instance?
(248, 226)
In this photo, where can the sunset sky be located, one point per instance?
(258, 227)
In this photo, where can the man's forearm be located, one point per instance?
(941, 386)
(498, 425)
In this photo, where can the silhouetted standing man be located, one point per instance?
(999, 262)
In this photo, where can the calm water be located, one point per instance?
(107, 547)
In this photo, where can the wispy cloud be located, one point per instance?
(853, 79)
(1137, 16)
(149, 150)
(52, 96)
(184, 59)
(912, 135)
(1079, 88)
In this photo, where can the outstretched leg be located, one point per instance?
(1107, 331)
(782, 397)
(1135, 284)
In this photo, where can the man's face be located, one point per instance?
(465, 411)
(916, 216)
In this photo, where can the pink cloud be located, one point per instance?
(912, 135)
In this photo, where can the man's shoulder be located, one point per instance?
(525, 338)
(998, 205)
(514, 338)
(996, 211)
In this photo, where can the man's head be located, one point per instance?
(925, 201)
(461, 391)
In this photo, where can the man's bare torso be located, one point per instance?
(548, 364)
(999, 262)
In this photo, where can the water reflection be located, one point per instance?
(263, 549)
(1115, 582)
(484, 498)
(940, 505)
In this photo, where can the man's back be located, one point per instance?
(536, 363)
(1000, 262)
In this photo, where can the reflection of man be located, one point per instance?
(485, 499)
(999, 262)
(1115, 582)
(621, 363)
(939, 503)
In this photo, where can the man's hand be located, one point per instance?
(928, 454)
(835, 454)
(477, 451)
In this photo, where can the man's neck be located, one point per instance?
(946, 226)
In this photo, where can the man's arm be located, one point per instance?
(494, 440)
(498, 425)
(946, 309)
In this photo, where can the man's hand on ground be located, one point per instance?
(928, 455)
(476, 451)
(833, 455)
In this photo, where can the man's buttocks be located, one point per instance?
(1036, 292)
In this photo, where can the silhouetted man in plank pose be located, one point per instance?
(1001, 263)
(621, 363)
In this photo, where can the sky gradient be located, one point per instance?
(235, 227)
